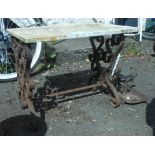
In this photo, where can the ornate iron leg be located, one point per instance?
(23, 59)
(96, 56)
(109, 77)
(99, 54)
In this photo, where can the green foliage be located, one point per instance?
(49, 58)
(8, 68)
(132, 48)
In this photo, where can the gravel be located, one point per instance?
(87, 114)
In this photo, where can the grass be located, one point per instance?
(132, 48)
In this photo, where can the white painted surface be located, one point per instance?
(68, 31)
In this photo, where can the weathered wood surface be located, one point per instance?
(70, 31)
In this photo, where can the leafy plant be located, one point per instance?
(48, 59)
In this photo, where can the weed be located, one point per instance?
(48, 59)
(132, 48)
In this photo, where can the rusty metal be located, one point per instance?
(23, 60)
(107, 56)
(115, 98)
(96, 57)
(104, 78)
(132, 96)
(75, 90)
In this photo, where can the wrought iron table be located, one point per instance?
(106, 77)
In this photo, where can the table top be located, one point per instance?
(69, 31)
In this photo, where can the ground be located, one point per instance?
(89, 114)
